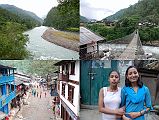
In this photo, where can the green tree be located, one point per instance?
(13, 41)
(64, 16)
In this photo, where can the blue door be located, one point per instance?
(94, 75)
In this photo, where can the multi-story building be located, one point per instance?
(68, 89)
(7, 90)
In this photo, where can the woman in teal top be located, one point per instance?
(135, 96)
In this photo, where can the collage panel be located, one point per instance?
(119, 30)
(115, 89)
(70, 59)
(39, 30)
(39, 90)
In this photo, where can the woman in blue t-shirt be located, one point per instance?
(135, 96)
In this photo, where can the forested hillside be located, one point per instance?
(26, 17)
(65, 16)
(84, 19)
(117, 16)
(144, 9)
(144, 16)
(12, 40)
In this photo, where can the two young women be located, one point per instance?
(126, 103)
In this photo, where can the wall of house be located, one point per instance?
(150, 81)
(75, 77)
(92, 47)
(75, 106)
(5, 90)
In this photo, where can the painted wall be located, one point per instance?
(75, 77)
(92, 47)
(6, 94)
(75, 106)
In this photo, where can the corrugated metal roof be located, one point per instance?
(86, 36)
(63, 62)
(6, 67)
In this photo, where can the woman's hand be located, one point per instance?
(134, 114)
(125, 118)
(120, 111)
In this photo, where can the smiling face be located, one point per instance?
(132, 75)
(114, 78)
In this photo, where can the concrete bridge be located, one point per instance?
(134, 49)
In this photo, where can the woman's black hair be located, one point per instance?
(127, 82)
(114, 71)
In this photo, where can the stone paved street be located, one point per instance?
(38, 108)
(90, 114)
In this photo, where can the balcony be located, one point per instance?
(63, 77)
(7, 98)
(4, 79)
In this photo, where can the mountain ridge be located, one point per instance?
(144, 9)
(20, 12)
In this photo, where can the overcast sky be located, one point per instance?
(99, 9)
(39, 7)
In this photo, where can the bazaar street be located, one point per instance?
(37, 108)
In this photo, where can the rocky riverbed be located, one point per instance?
(64, 39)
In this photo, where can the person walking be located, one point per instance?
(34, 93)
(19, 104)
(37, 94)
(45, 94)
(40, 94)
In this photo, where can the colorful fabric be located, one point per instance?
(135, 101)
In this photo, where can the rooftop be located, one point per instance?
(86, 36)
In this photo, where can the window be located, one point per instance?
(65, 69)
(7, 89)
(72, 68)
(58, 86)
(63, 89)
(70, 93)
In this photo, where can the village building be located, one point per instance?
(89, 44)
(22, 84)
(7, 93)
(68, 89)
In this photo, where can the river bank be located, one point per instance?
(154, 43)
(42, 49)
(63, 39)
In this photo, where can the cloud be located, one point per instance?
(39, 7)
(93, 12)
(99, 9)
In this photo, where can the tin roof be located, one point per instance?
(63, 62)
(86, 36)
(6, 67)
